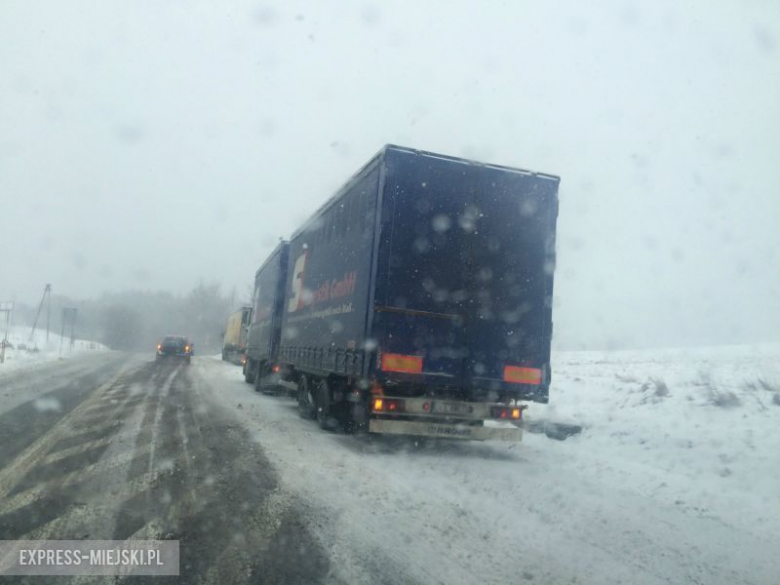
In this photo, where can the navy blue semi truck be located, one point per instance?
(416, 301)
(265, 326)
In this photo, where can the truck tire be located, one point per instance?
(324, 418)
(249, 372)
(305, 407)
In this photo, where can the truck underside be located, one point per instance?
(442, 418)
(357, 406)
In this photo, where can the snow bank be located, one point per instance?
(707, 420)
(27, 353)
(674, 478)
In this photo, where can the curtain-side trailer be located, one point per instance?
(418, 299)
(266, 322)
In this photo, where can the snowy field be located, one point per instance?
(675, 478)
(24, 354)
(707, 420)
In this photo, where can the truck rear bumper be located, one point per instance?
(445, 431)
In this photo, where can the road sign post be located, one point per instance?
(74, 316)
(6, 307)
(68, 317)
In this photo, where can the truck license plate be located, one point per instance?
(451, 408)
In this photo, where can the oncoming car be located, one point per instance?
(175, 346)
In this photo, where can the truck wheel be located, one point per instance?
(324, 418)
(305, 406)
(249, 372)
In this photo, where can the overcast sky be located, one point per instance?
(151, 144)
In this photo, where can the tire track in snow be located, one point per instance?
(19, 467)
(41, 486)
(147, 457)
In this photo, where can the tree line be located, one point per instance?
(136, 320)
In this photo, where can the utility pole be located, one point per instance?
(7, 308)
(48, 311)
(46, 296)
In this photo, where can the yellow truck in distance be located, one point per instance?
(234, 341)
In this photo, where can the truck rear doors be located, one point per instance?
(512, 254)
(422, 296)
(464, 280)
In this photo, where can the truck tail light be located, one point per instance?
(388, 405)
(507, 412)
(276, 369)
(395, 362)
(522, 375)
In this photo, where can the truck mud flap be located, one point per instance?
(444, 431)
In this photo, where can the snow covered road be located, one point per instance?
(131, 449)
(674, 479)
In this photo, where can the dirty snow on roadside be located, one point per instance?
(27, 353)
(674, 478)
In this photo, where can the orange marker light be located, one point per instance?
(395, 362)
(518, 375)
(516, 413)
(378, 404)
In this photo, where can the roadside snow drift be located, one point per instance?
(675, 478)
(27, 353)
